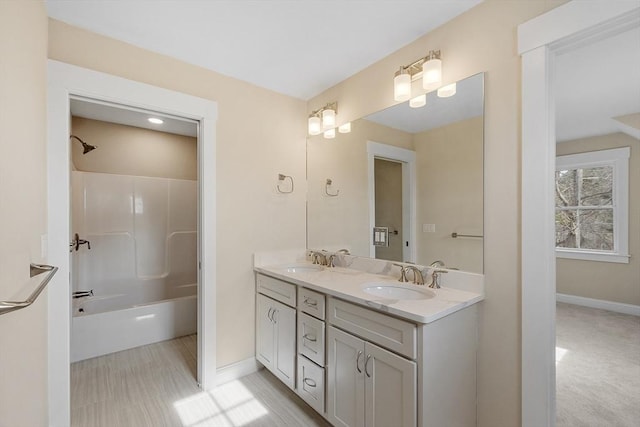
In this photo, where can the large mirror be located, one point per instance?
(406, 184)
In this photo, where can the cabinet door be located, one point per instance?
(345, 379)
(285, 343)
(265, 332)
(390, 389)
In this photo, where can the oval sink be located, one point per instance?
(393, 291)
(305, 268)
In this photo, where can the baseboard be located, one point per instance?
(618, 307)
(236, 370)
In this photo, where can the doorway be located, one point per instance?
(66, 82)
(392, 210)
(539, 41)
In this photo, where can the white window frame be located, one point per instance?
(618, 159)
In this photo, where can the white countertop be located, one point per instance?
(348, 284)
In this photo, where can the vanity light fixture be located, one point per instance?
(315, 125)
(155, 120)
(418, 101)
(447, 91)
(323, 120)
(345, 128)
(429, 68)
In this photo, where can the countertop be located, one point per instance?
(348, 284)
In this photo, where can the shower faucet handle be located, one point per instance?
(77, 241)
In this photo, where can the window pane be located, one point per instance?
(566, 188)
(566, 223)
(596, 229)
(597, 186)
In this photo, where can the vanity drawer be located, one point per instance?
(389, 332)
(311, 338)
(311, 383)
(311, 302)
(277, 289)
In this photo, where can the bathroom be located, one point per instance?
(253, 217)
(134, 227)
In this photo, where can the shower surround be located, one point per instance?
(142, 265)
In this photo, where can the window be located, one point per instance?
(592, 206)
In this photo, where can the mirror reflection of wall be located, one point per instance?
(445, 137)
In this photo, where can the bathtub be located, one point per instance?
(104, 324)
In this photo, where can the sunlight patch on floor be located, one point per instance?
(230, 405)
(560, 352)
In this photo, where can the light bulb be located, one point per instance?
(345, 128)
(330, 134)
(328, 118)
(315, 127)
(432, 71)
(447, 91)
(418, 101)
(402, 85)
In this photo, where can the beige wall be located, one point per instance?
(449, 193)
(259, 134)
(605, 280)
(128, 150)
(23, 333)
(343, 221)
(483, 39)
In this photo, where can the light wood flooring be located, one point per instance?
(155, 386)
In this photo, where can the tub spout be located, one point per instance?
(81, 294)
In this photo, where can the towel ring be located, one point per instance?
(282, 177)
(326, 189)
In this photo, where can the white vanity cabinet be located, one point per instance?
(368, 385)
(276, 329)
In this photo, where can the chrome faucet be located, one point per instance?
(330, 260)
(437, 264)
(418, 278)
(82, 294)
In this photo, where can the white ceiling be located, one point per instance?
(595, 84)
(299, 48)
(131, 117)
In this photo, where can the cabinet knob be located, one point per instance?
(310, 302)
(309, 338)
(309, 382)
(358, 362)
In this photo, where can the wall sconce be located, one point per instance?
(323, 120)
(428, 67)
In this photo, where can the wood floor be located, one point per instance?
(155, 386)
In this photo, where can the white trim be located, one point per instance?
(65, 81)
(586, 255)
(618, 159)
(408, 160)
(537, 40)
(618, 307)
(237, 370)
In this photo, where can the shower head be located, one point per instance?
(86, 147)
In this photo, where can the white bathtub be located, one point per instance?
(104, 324)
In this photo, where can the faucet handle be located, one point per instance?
(435, 284)
(403, 273)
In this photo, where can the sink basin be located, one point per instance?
(396, 291)
(304, 268)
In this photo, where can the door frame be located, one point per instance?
(376, 150)
(64, 82)
(539, 40)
